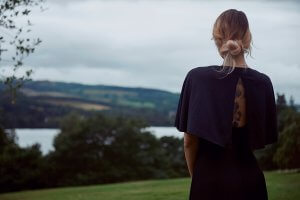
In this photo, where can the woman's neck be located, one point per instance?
(240, 61)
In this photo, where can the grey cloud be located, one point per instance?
(154, 43)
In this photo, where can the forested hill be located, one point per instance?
(43, 103)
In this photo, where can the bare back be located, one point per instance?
(239, 112)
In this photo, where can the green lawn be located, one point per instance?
(281, 186)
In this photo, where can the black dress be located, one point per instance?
(206, 104)
(225, 167)
(230, 173)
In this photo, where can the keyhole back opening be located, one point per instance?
(239, 111)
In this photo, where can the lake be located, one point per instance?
(45, 136)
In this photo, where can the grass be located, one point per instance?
(281, 186)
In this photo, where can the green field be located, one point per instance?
(281, 186)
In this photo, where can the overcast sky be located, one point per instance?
(154, 43)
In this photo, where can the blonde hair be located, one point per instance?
(232, 36)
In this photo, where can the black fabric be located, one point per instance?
(230, 173)
(206, 103)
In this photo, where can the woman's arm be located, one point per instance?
(190, 151)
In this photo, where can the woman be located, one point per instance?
(226, 112)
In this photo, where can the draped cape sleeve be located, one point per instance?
(271, 115)
(206, 103)
(181, 119)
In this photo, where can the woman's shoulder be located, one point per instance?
(263, 78)
(200, 72)
(201, 69)
(204, 72)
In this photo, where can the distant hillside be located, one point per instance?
(43, 103)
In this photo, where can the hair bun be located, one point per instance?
(234, 47)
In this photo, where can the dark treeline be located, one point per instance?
(285, 153)
(91, 150)
(105, 149)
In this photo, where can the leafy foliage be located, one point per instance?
(287, 154)
(104, 150)
(283, 154)
(20, 168)
(15, 41)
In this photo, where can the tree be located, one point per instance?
(292, 103)
(102, 149)
(281, 102)
(15, 43)
(174, 152)
(20, 168)
(287, 154)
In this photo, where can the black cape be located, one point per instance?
(206, 103)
